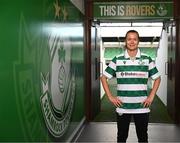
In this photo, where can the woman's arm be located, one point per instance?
(152, 94)
(117, 102)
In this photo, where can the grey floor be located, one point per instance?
(106, 132)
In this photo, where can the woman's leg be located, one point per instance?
(141, 123)
(123, 122)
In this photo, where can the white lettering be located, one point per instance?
(121, 10)
(108, 10)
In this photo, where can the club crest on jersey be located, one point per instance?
(141, 62)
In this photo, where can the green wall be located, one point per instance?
(41, 70)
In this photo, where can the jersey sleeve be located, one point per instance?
(110, 70)
(153, 71)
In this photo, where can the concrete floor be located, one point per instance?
(106, 132)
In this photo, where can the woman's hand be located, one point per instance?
(115, 100)
(148, 101)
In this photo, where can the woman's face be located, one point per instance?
(132, 41)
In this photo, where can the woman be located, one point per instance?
(132, 70)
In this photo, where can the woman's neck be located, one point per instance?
(132, 53)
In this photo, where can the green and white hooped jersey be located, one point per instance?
(132, 77)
